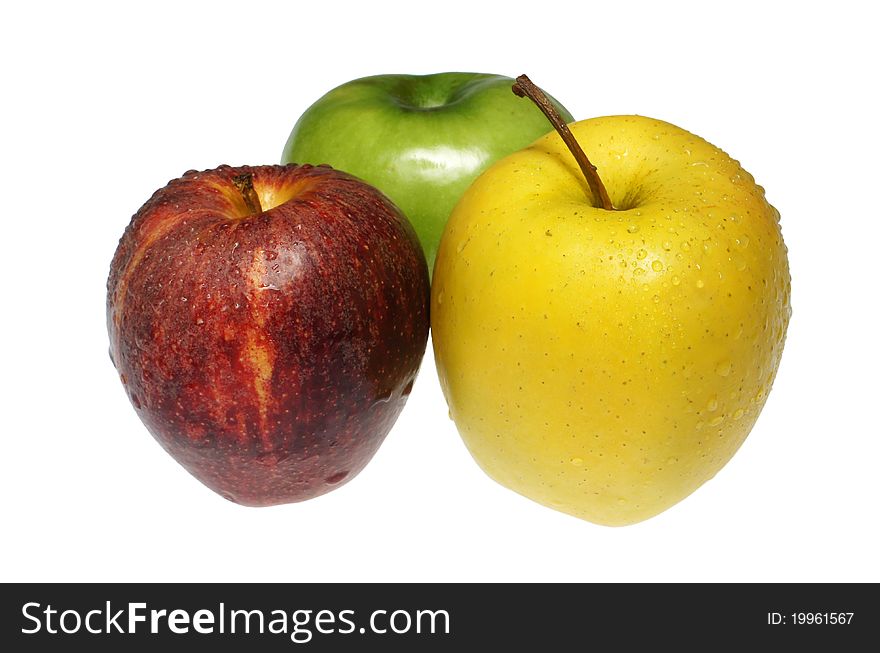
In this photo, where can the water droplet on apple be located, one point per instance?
(775, 213)
(440, 297)
(685, 245)
(641, 254)
(333, 479)
(738, 413)
(633, 228)
(383, 400)
(676, 281)
(742, 242)
(199, 321)
(715, 421)
(577, 462)
(667, 245)
(270, 255)
(723, 368)
(700, 283)
(656, 299)
(739, 262)
(657, 266)
(712, 405)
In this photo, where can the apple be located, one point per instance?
(606, 346)
(420, 139)
(267, 323)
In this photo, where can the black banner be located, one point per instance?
(434, 617)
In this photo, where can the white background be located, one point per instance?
(103, 104)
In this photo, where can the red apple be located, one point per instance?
(267, 324)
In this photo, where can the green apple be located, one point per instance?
(421, 140)
(605, 357)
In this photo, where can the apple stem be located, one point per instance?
(245, 185)
(523, 87)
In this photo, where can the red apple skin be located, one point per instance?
(269, 353)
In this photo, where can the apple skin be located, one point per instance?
(607, 363)
(420, 139)
(268, 353)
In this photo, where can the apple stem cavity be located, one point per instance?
(523, 87)
(245, 185)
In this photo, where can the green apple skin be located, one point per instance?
(420, 139)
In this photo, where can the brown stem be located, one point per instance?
(245, 185)
(523, 87)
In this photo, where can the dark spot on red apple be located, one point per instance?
(335, 478)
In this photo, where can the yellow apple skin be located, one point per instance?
(608, 363)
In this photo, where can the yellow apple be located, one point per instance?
(606, 363)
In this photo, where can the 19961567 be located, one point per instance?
(810, 618)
